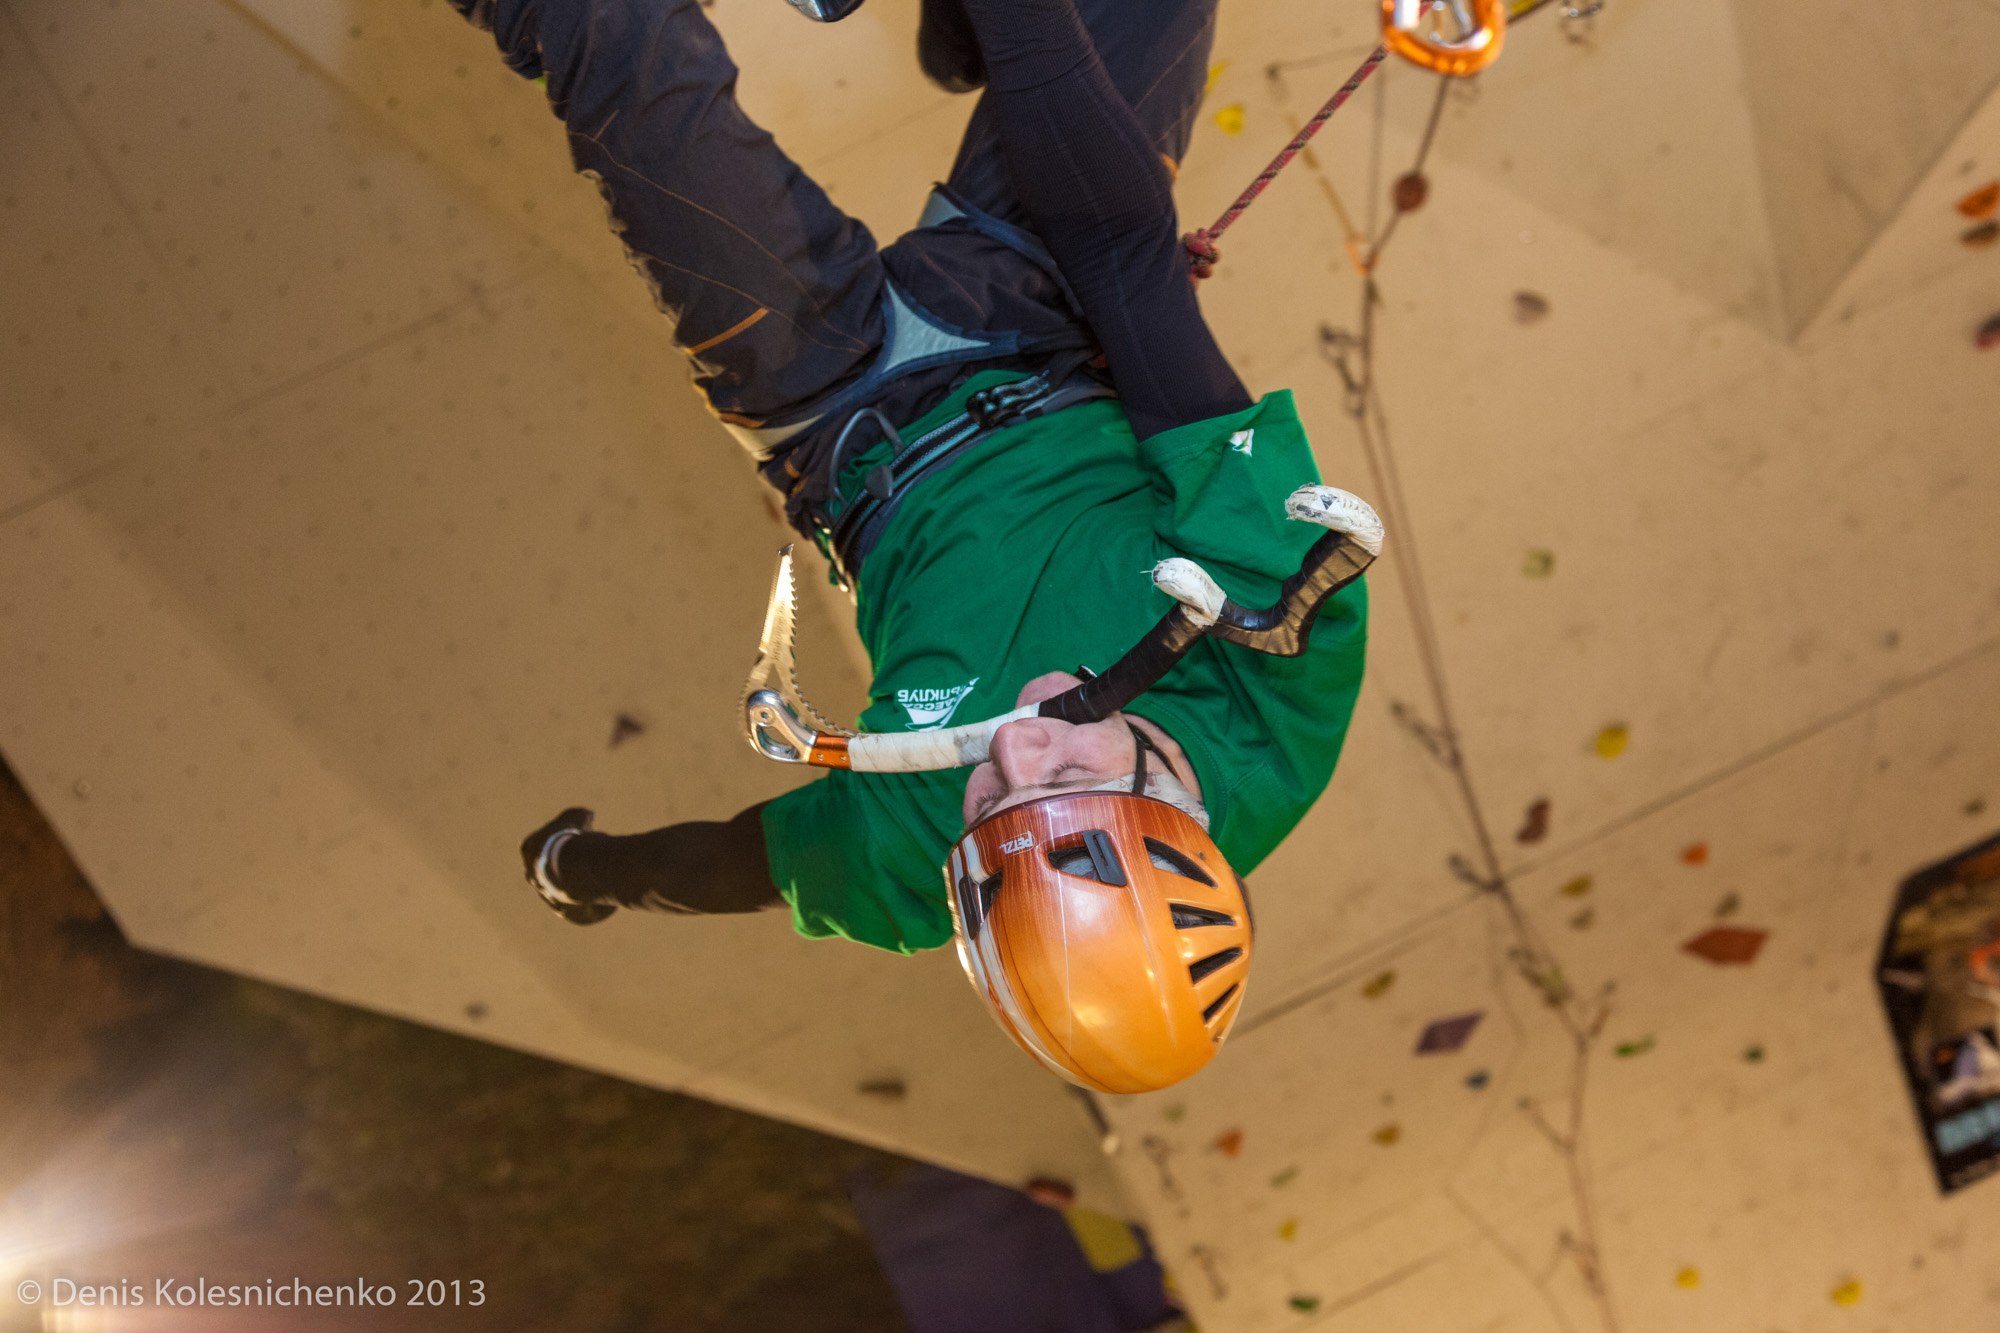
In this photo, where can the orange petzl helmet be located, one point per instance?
(1106, 934)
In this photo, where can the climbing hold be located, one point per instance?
(1230, 1143)
(1625, 1050)
(1176, 1111)
(1753, 1055)
(1305, 1304)
(1982, 201)
(1536, 826)
(1983, 235)
(1723, 945)
(1288, 1229)
(624, 727)
(1284, 1177)
(1412, 188)
(1379, 986)
(1611, 741)
(1229, 119)
(1445, 1035)
(1584, 920)
(1051, 1192)
(1976, 806)
(1214, 75)
(1530, 307)
(1727, 907)
(1478, 1079)
(1577, 887)
(891, 1089)
(1388, 1134)
(1847, 1294)
(1688, 1279)
(1539, 564)
(1695, 854)
(1989, 334)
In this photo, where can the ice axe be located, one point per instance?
(782, 725)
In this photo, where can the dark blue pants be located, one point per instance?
(776, 295)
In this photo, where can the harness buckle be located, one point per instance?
(999, 404)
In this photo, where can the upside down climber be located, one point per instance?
(994, 428)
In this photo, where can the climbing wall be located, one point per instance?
(354, 516)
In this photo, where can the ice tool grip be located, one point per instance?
(1351, 543)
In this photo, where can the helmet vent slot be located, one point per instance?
(1092, 855)
(989, 888)
(1176, 863)
(1215, 1007)
(1208, 965)
(1187, 916)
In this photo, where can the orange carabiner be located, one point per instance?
(1482, 29)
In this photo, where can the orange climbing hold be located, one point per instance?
(1982, 201)
(1695, 854)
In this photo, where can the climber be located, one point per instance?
(992, 427)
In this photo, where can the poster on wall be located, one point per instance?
(1940, 978)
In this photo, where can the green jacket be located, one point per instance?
(1031, 553)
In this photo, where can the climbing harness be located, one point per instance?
(1482, 28)
(847, 540)
(780, 724)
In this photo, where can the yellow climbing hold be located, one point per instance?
(1288, 1229)
(1214, 74)
(1688, 1279)
(1611, 741)
(1379, 986)
(1577, 887)
(1538, 564)
(1388, 1134)
(1230, 118)
(1848, 1293)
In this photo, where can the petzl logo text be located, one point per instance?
(933, 708)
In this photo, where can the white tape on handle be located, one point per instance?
(1189, 584)
(927, 751)
(1341, 511)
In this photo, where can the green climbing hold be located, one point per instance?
(1625, 1050)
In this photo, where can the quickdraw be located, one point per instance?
(1407, 30)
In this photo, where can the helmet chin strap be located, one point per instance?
(1163, 784)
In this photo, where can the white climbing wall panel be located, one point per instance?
(349, 490)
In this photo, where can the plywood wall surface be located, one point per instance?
(350, 489)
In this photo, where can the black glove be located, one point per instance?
(539, 859)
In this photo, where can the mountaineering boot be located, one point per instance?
(540, 853)
(825, 11)
(947, 47)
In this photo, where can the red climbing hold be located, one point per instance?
(1723, 945)
(1412, 188)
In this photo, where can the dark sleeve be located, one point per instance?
(1100, 196)
(698, 866)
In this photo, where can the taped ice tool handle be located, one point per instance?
(783, 726)
(1281, 629)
